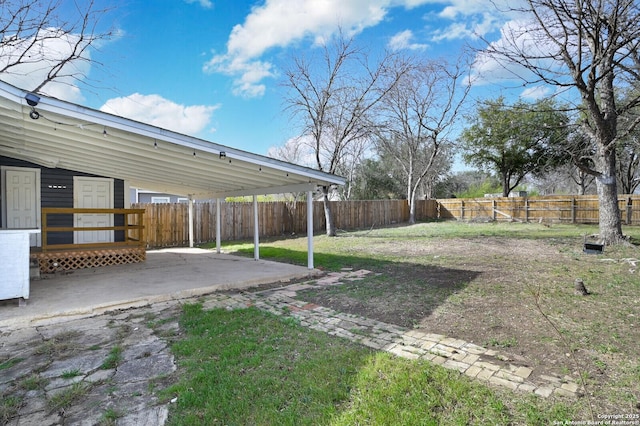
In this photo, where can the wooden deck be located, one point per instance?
(65, 257)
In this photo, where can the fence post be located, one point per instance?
(526, 210)
(629, 210)
(573, 209)
(493, 209)
(461, 209)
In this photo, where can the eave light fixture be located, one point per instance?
(32, 99)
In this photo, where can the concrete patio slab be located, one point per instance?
(167, 274)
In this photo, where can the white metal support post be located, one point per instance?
(218, 226)
(190, 221)
(256, 230)
(310, 229)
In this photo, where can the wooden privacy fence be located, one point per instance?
(167, 225)
(553, 208)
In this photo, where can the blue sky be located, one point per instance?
(212, 68)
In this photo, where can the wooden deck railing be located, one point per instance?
(133, 228)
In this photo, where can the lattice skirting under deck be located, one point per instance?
(77, 259)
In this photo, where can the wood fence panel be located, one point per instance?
(552, 208)
(449, 209)
(425, 210)
(586, 209)
(166, 225)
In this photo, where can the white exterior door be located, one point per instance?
(93, 193)
(22, 194)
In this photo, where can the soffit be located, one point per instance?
(72, 137)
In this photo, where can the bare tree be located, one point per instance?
(419, 114)
(628, 164)
(588, 46)
(564, 179)
(628, 149)
(296, 152)
(333, 97)
(38, 43)
(439, 173)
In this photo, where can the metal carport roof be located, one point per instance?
(60, 134)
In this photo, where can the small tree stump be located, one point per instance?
(581, 290)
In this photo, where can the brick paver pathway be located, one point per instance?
(475, 361)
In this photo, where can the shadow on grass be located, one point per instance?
(400, 293)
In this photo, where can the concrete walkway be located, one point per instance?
(168, 274)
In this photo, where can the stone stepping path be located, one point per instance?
(472, 360)
(67, 360)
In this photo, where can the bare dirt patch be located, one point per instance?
(516, 295)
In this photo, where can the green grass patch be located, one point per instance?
(251, 367)
(70, 374)
(4, 365)
(390, 391)
(9, 407)
(33, 382)
(110, 417)
(113, 359)
(68, 396)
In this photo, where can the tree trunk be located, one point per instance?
(410, 195)
(610, 221)
(582, 177)
(412, 207)
(328, 215)
(505, 185)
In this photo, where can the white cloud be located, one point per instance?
(207, 4)
(50, 49)
(516, 36)
(298, 150)
(157, 111)
(536, 92)
(403, 40)
(478, 26)
(473, 19)
(248, 74)
(281, 23)
(458, 8)
(461, 8)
